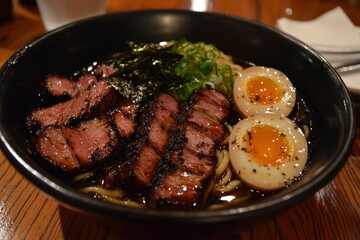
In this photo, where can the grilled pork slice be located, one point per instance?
(212, 102)
(73, 148)
(87, 144)
(125, 125)
(179, 189)
(143, 155)
(198, 142)
(104, 70)
(53, 147)
(99, 98)
(190, 157)
(61, 86)
(123, 118)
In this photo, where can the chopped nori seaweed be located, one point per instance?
(145, 70)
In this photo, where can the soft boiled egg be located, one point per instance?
(263, 90)
(267, 151)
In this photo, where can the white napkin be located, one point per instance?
(333, 35)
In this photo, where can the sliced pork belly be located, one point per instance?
(198, 142)
(212, 102)
(190, 157)
(73, 148)
(91, 141)
(179, 189)
(193, 162)
(104, 70)
(53, 147)
(125, 125)
(61, 86)
(99, 98)
(85, 145)
(144, 167)
(143, 155)
(208, 123)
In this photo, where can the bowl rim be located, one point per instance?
(76, 200)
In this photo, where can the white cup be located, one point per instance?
(56, 13)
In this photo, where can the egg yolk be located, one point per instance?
(267, 146)
(263, 90)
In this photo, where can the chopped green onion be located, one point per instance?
(201, 67)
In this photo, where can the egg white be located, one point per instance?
(262, 177)
(247, 107)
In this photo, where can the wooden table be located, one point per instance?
(333, 212)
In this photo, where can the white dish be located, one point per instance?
(337, 49)
(334, 36)
(352, 81)
(332, 32)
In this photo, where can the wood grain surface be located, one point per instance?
(333, 212)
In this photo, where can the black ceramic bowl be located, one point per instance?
(67, 49)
